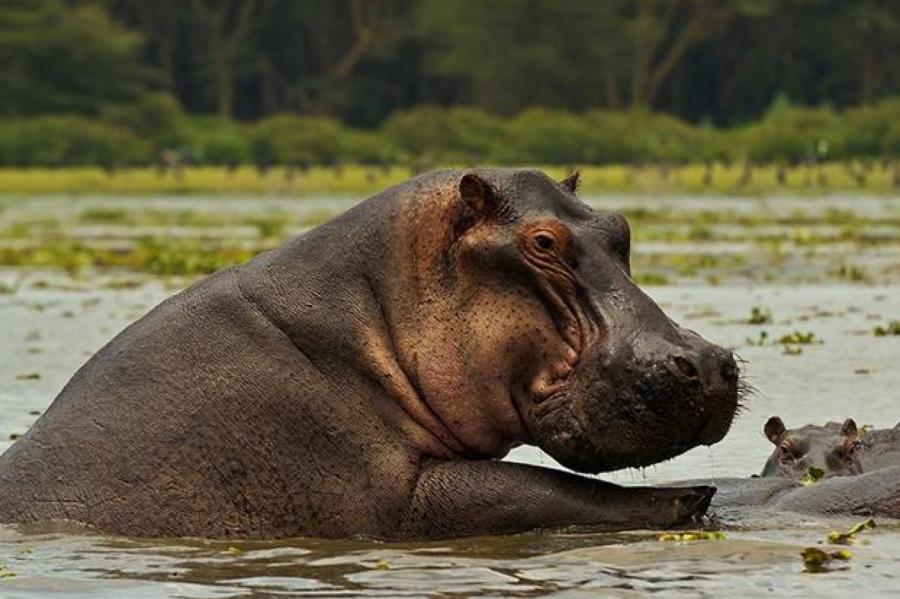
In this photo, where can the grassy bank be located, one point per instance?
(356, 180)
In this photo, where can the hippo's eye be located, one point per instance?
(847, 450)
(543, 241)
(789, 452)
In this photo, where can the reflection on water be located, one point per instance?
(517, 565)
(52, 322)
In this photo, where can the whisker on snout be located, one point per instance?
(745, 390)
(738, 358)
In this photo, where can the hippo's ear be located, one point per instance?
(773, 429)
(482, 200)
(849, 429)
(475, 192)
(571, 182)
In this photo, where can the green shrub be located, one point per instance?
(445, 134)
(642, 136)
(218, 141)
(296, 140)
(156, 118)
(540, 136)
(611, 140)
(137, 133)
(791, 134)
(890, 145)
(881, 125)
(368, 147)
(69, 141)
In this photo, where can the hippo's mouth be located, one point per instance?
(599, 426)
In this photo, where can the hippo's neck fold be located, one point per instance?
(383, 363)
(448, 393)
(336, 294)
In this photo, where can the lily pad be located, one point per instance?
(813, 475)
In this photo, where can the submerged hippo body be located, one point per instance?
(362, 379)
(880, 448)
(875, 493)
(762, 499)
(856, 473)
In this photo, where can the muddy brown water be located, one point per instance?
(50, 322)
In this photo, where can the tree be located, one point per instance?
(65, 59)
(227, 25)
(316, 47)
(362, 60)
(875, 31)
(506, 56)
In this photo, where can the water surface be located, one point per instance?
(794, 259)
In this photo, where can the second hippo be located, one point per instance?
(837, 469)
(832, 449)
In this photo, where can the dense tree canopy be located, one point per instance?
(57, 58)
(721, 61)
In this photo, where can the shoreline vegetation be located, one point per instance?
(698, 240)
(153, 146)
(293, 98)
(871, 178)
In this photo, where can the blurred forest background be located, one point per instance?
(320, 82)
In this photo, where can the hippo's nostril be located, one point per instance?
(686, 367)
(729, 370)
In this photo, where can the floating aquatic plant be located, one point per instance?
(817, 560)
(849, 537)
(762, 339)
(892, 328)
(799, 338)
(813, 475)
(759, 316)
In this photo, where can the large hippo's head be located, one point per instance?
(817, 451)
(521, 323)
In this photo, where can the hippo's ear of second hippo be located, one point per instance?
(773, 429)
(849, 429)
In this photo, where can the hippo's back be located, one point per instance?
(121, 422)
(880, 448)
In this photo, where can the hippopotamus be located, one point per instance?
(743, 500)
(829, 450)
(364, 379)
(833, 469)
(879, 448)
(832, 449)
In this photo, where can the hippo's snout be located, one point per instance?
(713, 368)
(714, 371)
(689, 386)
(638, 400)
